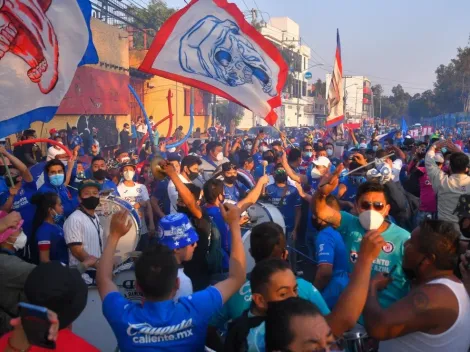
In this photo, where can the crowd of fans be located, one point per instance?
(381, 225)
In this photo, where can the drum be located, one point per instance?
(250, 262)
(265, 212)
(357, 340)
(128, 243)
(124, 278)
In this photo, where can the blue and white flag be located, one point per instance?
(42, 42)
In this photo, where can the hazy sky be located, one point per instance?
(391, 42)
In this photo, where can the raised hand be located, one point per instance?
(231, 213)
(120, 224)
(371, 245)
(333, 181)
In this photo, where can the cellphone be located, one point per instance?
(36, 325)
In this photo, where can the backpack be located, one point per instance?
(214, 254)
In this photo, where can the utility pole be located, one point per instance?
(214, 108)
(298, 85)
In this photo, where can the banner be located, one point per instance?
(42, 43)
(336, 90)
(209, 45)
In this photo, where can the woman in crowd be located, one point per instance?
(47, 242)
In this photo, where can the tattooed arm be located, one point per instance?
(427, 309)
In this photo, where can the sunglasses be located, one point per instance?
(379, 206)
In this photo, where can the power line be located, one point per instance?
(257, 7)
(246, 5)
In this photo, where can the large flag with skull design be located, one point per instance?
(209, 45)
(42, 42)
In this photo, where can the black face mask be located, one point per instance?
(280, 178)
(100, 174)
(230, 180)
(90, 203)
(421, 155)
(193, 175)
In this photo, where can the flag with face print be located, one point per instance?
(209, 45)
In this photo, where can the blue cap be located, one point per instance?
(176, 231)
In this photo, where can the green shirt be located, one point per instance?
(241, 301)
(391, 255)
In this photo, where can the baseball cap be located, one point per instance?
(58, 288)
(52, 131)
(322, 161)
(128, 163)
(173, 157)
(175, 231)
(88, 183)
(7, 233)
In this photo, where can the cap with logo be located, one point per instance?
(176, 231)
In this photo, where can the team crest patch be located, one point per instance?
(353, 257)
(388, 247)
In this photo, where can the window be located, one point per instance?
(304, 88)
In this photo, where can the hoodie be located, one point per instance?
(69, 202)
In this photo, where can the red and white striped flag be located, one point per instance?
(336, 91)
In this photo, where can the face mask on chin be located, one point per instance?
(20, 241)
(371, 219)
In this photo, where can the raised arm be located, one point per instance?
(434, 173)
(183, 191)
(351, 302)
(399, 153)
(18, 164)
(120, 225)
(303, 179)
(237, 263)
(319, 206)
(253, 196)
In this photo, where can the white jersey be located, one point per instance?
(135, 194)
(173, 194)
(456, 339)
(87, 230)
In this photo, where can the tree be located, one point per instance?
(149, 19)
(229, 114)
(320, 88)
(421, 105)
(377, 91)
(400, 99)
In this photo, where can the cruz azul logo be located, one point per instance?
(145, 333)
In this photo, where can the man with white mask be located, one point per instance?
(214, 158)
(373, 207)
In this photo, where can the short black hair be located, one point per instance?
(369, 187)
(97, 158)
(442, 240)
(320, 149)
(306, 145)
(74, 128)
(210, 147)
(262, 272)
(156, 271)
(119, 152)
(53, 162)
(331, 144)
(276, 144)
(213, 188)
(190, 160)
(278, 334)
(294, 154)
(459, 163)
(264, 238)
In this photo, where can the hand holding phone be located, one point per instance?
(40, 325)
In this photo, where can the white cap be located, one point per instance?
(362, 146)
(322, 161)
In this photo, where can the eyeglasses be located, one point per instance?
(376, 205)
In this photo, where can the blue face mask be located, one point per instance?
(57, 180)
(444, 150)
(58, 218)
(308, 155)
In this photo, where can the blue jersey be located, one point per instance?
(352, 183)
(259, 171)
(75, 142)
(331, 250)
(51, 236)
(22, 204)
(257, 157)
(162, 326)
(236, 192)
(225, 234)
(287, 200)
(160, 192)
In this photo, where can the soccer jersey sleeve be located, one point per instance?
(325, 248)
(113, 307)
(43, 238)
(205, 303)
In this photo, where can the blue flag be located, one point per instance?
(46, 42)
(404, 126)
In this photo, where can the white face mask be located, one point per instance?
(20, 241)
(248, 146)
(125, 159)
(371, 219)
(171, 150)
(316, 174)
(263, 148)
(329, 152)
(128, 175)
(220, 156)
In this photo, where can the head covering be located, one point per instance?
(322, 161)
(7, 233)
(173, 157)
(129, 163)
(88, 183)
(58, 288)
(52, 131)
(175, 231)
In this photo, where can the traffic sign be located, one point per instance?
(308, 75)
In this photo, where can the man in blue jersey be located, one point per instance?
(20, 192)
(233, 190)
(373, 208)
(332, 275)
(260, 169)
(100, 173)
(159, 323)
(76, 142)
